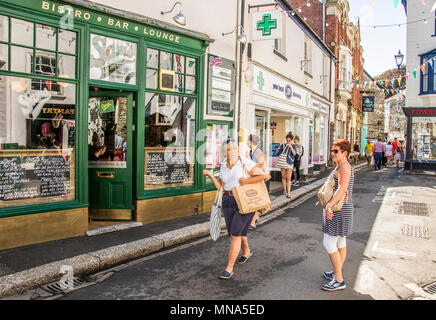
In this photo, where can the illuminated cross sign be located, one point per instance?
(266, 25)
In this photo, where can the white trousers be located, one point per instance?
(332, 243)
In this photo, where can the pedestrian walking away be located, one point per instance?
(356, 152)
(389, 152)
(231, 176)
(379, 149)
(297, 161)
(256, 155)
(368, 151)
(285, 162)
(399, 156)
(338, 225)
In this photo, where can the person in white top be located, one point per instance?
(231, 176)
(389, 152)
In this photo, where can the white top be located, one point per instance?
(231, 177)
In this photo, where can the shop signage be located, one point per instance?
(316, 105)
(420, 112)
(266, 25)
(368, 104)
(278, 87)
(68, 14)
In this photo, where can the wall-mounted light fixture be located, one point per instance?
(179, 18)
(242, 38)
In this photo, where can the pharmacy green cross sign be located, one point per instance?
(266, 24)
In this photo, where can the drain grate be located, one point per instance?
(430, 288)
(60, 288)
(415, 231)
(413, 208)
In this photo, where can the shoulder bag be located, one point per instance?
(215, 216)
(327, 192)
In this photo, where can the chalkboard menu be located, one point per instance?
(167, 167)
(32, 175)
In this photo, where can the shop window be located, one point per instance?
(112, 60)
(424, 138)
(37, 142)
(176, 69)
(169, 140)
(37, 49)
(428, 77)
(216, 135)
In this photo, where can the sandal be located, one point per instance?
(225, 275)
(243, 259)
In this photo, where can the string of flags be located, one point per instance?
(387, 84)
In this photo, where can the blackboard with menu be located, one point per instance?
(167, 167)
(33, 176)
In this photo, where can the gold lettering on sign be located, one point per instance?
(76, 13)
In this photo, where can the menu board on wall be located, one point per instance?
(34, 174)
(220, 89)
(167, 167)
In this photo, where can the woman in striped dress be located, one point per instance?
(338, 225)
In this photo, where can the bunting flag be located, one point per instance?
(399, 81)
(422, 68)
(396, 3)
(430, 62)
(414, 73)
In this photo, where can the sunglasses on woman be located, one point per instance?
(335, 151)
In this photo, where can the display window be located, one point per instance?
(182, 75)
(112, 60)
(38, 49)
(424, 138)
(37, 113)
(37, 142)
(169, 140)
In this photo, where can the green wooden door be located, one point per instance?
(110, 155)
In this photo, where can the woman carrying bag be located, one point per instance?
(339, 224)
(232, 175)
(285, 162)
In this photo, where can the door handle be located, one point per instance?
(103, 174)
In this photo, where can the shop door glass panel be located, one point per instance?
(260, 130)
(109, 155)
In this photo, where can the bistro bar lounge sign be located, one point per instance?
(70, 13)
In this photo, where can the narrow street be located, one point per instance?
(289, 258)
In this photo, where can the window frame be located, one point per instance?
(429, 73)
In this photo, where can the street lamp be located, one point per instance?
(399, 59)
(179, 18)
(242, 38)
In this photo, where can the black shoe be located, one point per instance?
(243, 259)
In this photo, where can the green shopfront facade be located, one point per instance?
(99, 115)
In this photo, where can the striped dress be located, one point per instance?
(342, 222)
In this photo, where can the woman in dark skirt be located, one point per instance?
(232, 175)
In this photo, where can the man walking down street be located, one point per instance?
(379, 149)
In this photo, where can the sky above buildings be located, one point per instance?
(382, 43)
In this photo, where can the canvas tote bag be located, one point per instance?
(327, 192)
(215, 216)
(252, 197)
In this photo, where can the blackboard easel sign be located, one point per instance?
(168, 167)
(36, 176)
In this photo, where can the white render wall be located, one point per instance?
(420, 39)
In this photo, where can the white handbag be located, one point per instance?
(215, 216)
